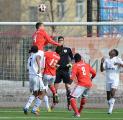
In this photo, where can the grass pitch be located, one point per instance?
(57, 114)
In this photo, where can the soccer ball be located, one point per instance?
(42, 8)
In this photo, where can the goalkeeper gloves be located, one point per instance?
(69, 65)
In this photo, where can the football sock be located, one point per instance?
(74, 106)
(46, 102)
(111, 102)
(29, 102)
(68, 96)
(53, 90)
(37, 104)
(83, 101)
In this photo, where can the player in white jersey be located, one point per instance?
(112, 67)
(35, 78)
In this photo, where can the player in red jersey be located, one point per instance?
(41, 38)
(81, 73)
(51, 60)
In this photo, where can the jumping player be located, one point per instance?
(49, 74)
(41, 39)
(63, 71)
(35, 78)
(51, 60)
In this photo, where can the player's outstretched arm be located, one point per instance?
(49, 40)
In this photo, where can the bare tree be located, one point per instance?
(52, 14)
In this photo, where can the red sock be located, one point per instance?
(74, 106)
(83, 101)
(53, 90)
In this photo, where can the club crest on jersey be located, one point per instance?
(65, 51)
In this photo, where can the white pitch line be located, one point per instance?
(58, 112)
(56, 118)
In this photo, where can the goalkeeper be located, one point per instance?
(63, 70)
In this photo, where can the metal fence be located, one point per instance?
(15, 41)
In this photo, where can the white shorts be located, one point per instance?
(36, 83)
(48, 79)
(111, 85)
(41, 54)
(79, 90)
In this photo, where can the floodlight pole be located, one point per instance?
(89, 17)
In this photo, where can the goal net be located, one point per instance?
(16, 39)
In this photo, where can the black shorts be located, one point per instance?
(63, 75)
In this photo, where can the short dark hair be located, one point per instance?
(38, 24)
(34, 49)
(59, 49)
(116, 52)
(77, 57)
(60, 37)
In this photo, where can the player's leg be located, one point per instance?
(112, 100)
(31, 97)
(53, 90)
(58, 80)
(83, 100)
(68, 91)
(56, 85)
(108, 89)
(50, 81)
(108, 96)
(46, 100)
(37, 104)
(67, 81)
(41, 92)
(28, 103)
(114, 86)
(77, 91)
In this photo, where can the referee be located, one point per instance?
(63, 72)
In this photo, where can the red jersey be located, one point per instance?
(51, 59)
(82, 71)
(41, 39)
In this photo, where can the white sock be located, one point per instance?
(37, 104)
(46, 100)
(111, 101)
(29, 102)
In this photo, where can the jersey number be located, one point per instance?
(83, 71)
(53, 63)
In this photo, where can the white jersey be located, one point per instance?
(32, 65)
(42, 62)
(112, 70)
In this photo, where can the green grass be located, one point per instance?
(87, 114)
